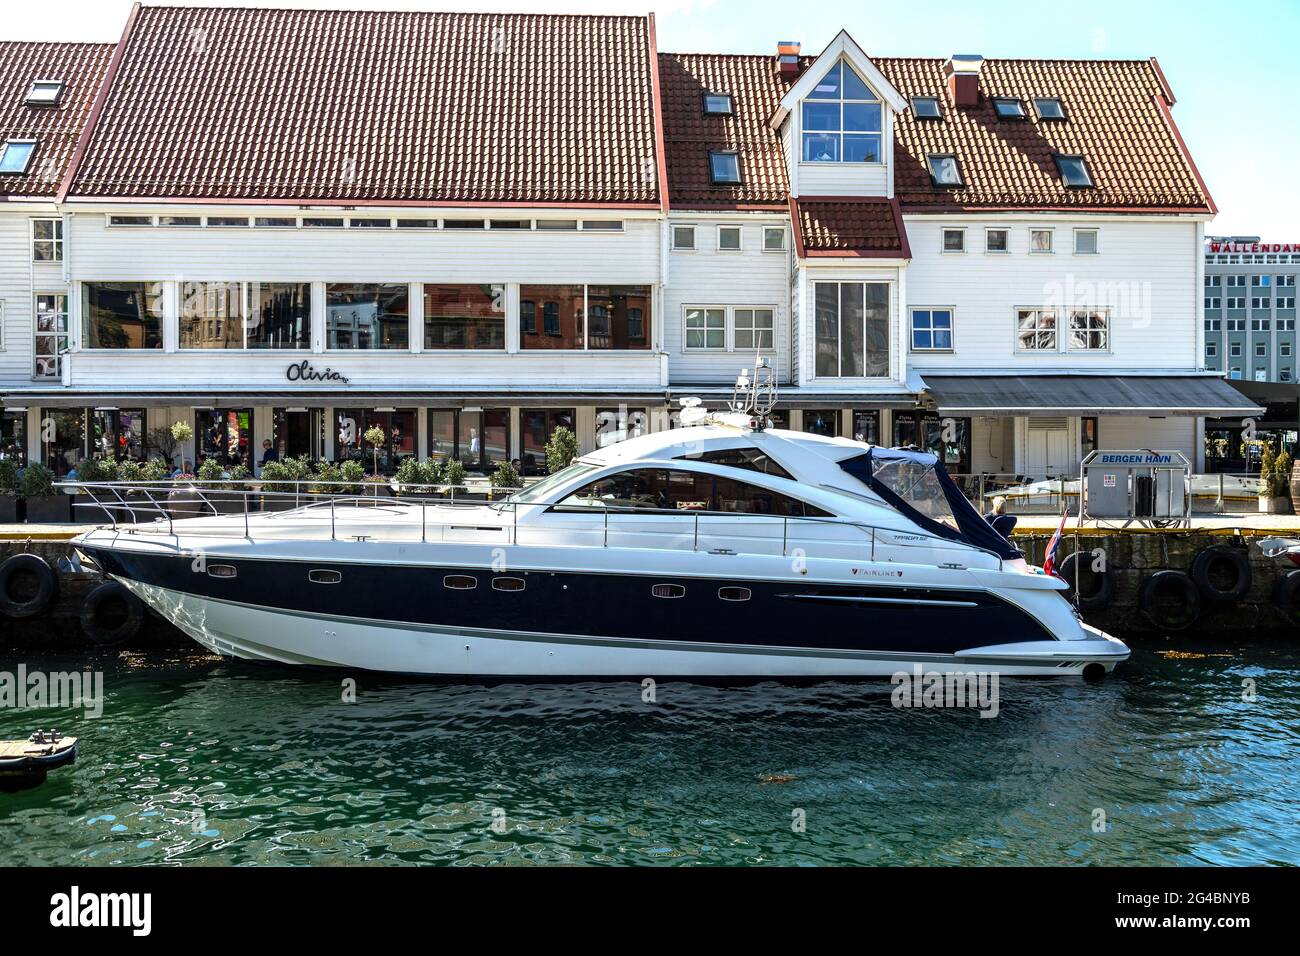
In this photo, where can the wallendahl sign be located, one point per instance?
(304, 371)
(1254, 246)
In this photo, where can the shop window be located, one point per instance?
(614, 425)
(13, 436)
(278, 316)
(119, 434)
(295, 433)
(63, 438)
(822, 421)
(367, 316)
(866, 425)
(398, 426)
(536, 426)
(949, 438)
(465, 316)
(223, 434)
(561, 307)
(122, 315)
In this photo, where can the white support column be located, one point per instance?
(512, 316)
(415, 316)
(585, 423)
(318, 317)
(171, 321)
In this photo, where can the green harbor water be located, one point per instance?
(198, 762)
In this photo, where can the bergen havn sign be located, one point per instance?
(304, 371)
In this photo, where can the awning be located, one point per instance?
(460, 398)
(717, 396)
(1148, 395)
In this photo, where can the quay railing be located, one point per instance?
(1225, 493)
(156, 507)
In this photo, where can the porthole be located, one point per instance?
(460, 582)
(668, 591)
(507, 584)
(322, 576)
(221, 571)
(734, 594)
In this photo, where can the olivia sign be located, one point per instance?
(304, 371)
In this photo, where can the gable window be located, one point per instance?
(954, 240)
(1085, 242)
(724, 167)
(706, 328)
(1008, 107)
(926, 107)
(754, 329)
(852, 329)
(44, 93)
(1040, 241)
(47, 240)
(683, 238)
(773, 239)
(1049, 108)
(718, 104)
(728, 238)
(51, 334)
(1074, 171)
(944, 170)
(841, 119)
(17, 156)
(1036, 330)
(932, 330)
(997, 241)
(1089, 331)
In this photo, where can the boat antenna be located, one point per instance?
(755, 397)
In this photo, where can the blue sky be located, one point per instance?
(1233, 66)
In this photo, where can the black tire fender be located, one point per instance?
(126, 610)
(1105, 592)
(1179, 586)
(1219, 555)
(47, 585)
(1286, 595)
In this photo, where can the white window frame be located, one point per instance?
(1051, 240)
(66, 334)
(726, 332)
(56, 243)
(1213, 282)
(777, 229)
(843, 64)
(1286, 302)
(733, 327)
(740, 238)
(911, 327)
(33, 100)
(1261, 350)
(997, 252)
(1234, 350)
(1284, 349)
(20, 141)
(1018, 315)
(1211, 349)
(1106, 331)
(890, 326)
(673, 238)
(1240, 302)
(1213, 302)
(1096, 240)
(943, 240)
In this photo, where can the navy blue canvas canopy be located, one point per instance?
(927, 477)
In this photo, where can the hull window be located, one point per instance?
(460, 582)
(324, 577)
(668, 591)
(221, 571)
(507, 584)
(734, 594)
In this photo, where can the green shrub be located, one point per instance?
(412, 477)
(182, 432)
(453, 474)
(130, 471)
(211, 470)
(8, 478)
(561, 449)
(352, 474)
(155, 469)
(37, 481)
(96, 469)
(505, 476)
(324, 478)
(239, 475)
(277, 476)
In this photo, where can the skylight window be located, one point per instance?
(926, 107)
(1074, 171)
(724, 168)
(45, 93)
(945, 171)
(718, 104)
(1008, 107)
(1049, 108)
(841, 119)
(17, 156)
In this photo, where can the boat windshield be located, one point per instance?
(538, 490)
(916, 483)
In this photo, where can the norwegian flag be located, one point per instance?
(1049, 561)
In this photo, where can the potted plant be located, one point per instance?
(218, 492)
(278, 483)
(505, 479)
(43, 502)
(561, 449)
(374, 435)
(376, 485)
(9, 510)
(409, 477)
(153, 475)
(181, 432)
(84, 504)
(452, 479)
(161, 440)
(130, 472)
(351, 474)
(1272, 483)
(183, 499)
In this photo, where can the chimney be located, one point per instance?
(787, 55)
(963, 73)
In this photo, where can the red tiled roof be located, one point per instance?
(1117, 117)
(348, 106)
(690, 135)
(55, 128)
(855, 226)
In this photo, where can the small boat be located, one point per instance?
(1288, 548)
(25, 763)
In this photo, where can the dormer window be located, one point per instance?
(724, 168)
(926, 107)
(1049, 108)
(1008, 107)
(45, 93)
(841, 119)
(1074, 171)
(17, 156)
(718, 104)
(944, 170)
